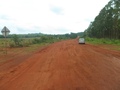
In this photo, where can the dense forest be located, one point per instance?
(107, 23)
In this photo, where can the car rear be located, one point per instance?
(81, 41)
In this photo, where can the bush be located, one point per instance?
(35, 41)
(16, 40)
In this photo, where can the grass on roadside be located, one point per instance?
(107, 43)
(103, 41)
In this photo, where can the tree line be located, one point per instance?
(107, 23)
(35, 35)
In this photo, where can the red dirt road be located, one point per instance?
(65, 65)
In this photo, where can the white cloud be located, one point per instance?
(49, 16)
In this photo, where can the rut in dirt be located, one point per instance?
(66, 65)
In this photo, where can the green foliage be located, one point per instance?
(35, 40)
(73, 36)
(16, 40)
(103, 41)
(45, 39)
(107, 23)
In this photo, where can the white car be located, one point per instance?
(81, 41)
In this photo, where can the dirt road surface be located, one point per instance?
(65, 65)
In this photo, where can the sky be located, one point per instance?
(48, 16)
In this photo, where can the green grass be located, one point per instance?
(106, 43)
(103, 41)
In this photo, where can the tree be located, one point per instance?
(107, 23)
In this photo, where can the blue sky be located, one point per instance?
(48, 16)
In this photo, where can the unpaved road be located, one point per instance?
(65, 65)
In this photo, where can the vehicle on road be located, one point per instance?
(81, 41)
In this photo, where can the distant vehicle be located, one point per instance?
(81, 41)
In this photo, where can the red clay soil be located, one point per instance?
(65, 65)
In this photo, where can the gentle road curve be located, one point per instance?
(65, 65)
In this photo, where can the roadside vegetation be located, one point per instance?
(32, 41)
(105, 28)
(103, 41)
(107, 23)
(15, 41)
(111, 44)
